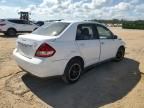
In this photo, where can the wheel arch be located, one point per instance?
(122, 46)
(65, 75)
(77, 58)
(12, 28)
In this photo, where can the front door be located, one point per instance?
(107, 42)
(27, 26)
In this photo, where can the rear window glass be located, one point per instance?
(52, 29)
(13, 21)
(19, 21)
(16, 21)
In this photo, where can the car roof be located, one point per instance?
(12, 19)
(77, 22)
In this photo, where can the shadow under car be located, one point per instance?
(101, 85)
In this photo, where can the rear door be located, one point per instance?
(107, 42)
(88, 43)
(28, 26)
(17, 24)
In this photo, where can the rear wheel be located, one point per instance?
(73, 71)
(11, 32)
(120, 54)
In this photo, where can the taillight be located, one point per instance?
(45, 50)
(2, 24)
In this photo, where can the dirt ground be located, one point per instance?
(109, 85)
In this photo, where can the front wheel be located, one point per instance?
(73, 71)
(120, 54)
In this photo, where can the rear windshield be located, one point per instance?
(52, 29)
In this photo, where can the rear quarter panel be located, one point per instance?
(65, 50)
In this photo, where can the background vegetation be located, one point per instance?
(138, 24)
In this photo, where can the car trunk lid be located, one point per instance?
(28, 44)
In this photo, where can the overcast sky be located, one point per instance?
(74, 9)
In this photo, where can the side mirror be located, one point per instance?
(115, 36)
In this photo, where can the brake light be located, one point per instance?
(2, 24)
(45, 50)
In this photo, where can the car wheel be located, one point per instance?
(73, 71)
(11, 32)
(120, 54)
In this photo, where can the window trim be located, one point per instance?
(95, 34)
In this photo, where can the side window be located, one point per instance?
(104, 33)
(26, 22)
(85, 32)
(22, 22)
(19, 21)
(13, 21)
(16, 21)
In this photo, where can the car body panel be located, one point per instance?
(109, 48)
(38, 66)
(67, 47)
(90, 51)
(18, 27)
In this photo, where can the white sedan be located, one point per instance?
(65, 48)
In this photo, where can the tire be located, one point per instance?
(73, 71)
(11, 32)
(120, 54)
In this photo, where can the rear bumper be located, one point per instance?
(2, 30)
(40, 67)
